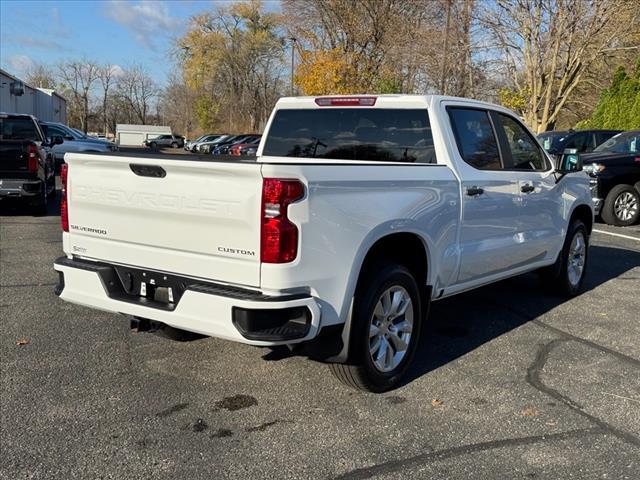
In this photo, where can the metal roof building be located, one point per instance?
(18, 97)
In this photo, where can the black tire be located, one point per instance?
(154, 145)
(360, 371)
(39, 207)
(611, 210)
(52, 187)
(557, 277)
(174, 145)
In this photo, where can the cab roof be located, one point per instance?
(373, 101)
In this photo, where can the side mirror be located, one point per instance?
(57, 140)
(569, 162)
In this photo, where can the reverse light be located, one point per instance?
(64, 210)
(279, 236)
(346, 101)
(32, 159)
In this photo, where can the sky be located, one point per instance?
(117, 32)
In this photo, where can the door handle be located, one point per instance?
(527, 188)
(473, 191)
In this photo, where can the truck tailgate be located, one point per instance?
(198, 219)
(13, 158)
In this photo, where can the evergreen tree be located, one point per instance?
(619, 105)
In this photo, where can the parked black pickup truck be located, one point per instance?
(27, 167)
(614, 168)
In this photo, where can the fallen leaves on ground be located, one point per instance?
(436, 403)
(22, 341)
(529, 412)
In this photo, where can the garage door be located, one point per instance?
(131, 139)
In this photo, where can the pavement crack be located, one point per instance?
(533, 379)
(424, 458)
(620, 356)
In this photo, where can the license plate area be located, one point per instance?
(147, 286)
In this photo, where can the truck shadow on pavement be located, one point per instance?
(15, 207)
(460, 324)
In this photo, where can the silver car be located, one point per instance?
(194, 146)
(207, 147)
(74, 141)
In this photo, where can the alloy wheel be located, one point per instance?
(625, 206)
(577, 258)
(390, 328)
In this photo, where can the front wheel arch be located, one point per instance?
(585, 214)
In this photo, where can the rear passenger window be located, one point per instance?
(476, 140)
(371, 134)
(525, 152)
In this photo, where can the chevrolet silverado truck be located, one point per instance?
(27, 165)
(614, 168)
(355, 214)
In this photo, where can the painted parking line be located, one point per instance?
(617, 235)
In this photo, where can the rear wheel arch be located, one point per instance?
(404, 248)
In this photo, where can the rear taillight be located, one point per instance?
(32, 161)
(64, 210)
(279, 236)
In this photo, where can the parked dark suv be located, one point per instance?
(583, 141)
(173, 141)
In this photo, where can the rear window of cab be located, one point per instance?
(364, 134)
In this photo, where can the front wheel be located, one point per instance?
(385, 328)
(566, 276)
(622, 206)
(174, 145)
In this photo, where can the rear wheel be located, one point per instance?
(385, 328)
(174, 145)
(622, 206)
(39, 207)
(154, 145)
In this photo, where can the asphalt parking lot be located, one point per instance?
(510, 382)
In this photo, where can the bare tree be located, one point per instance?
(79, 77)
(106, 76)
(176, 105)
(138, 90)
(41, 76)
(549, 46)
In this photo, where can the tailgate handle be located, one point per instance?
(148, 170)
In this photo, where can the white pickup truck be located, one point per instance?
(356, 214)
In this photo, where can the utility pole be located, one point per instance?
(293, 53)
